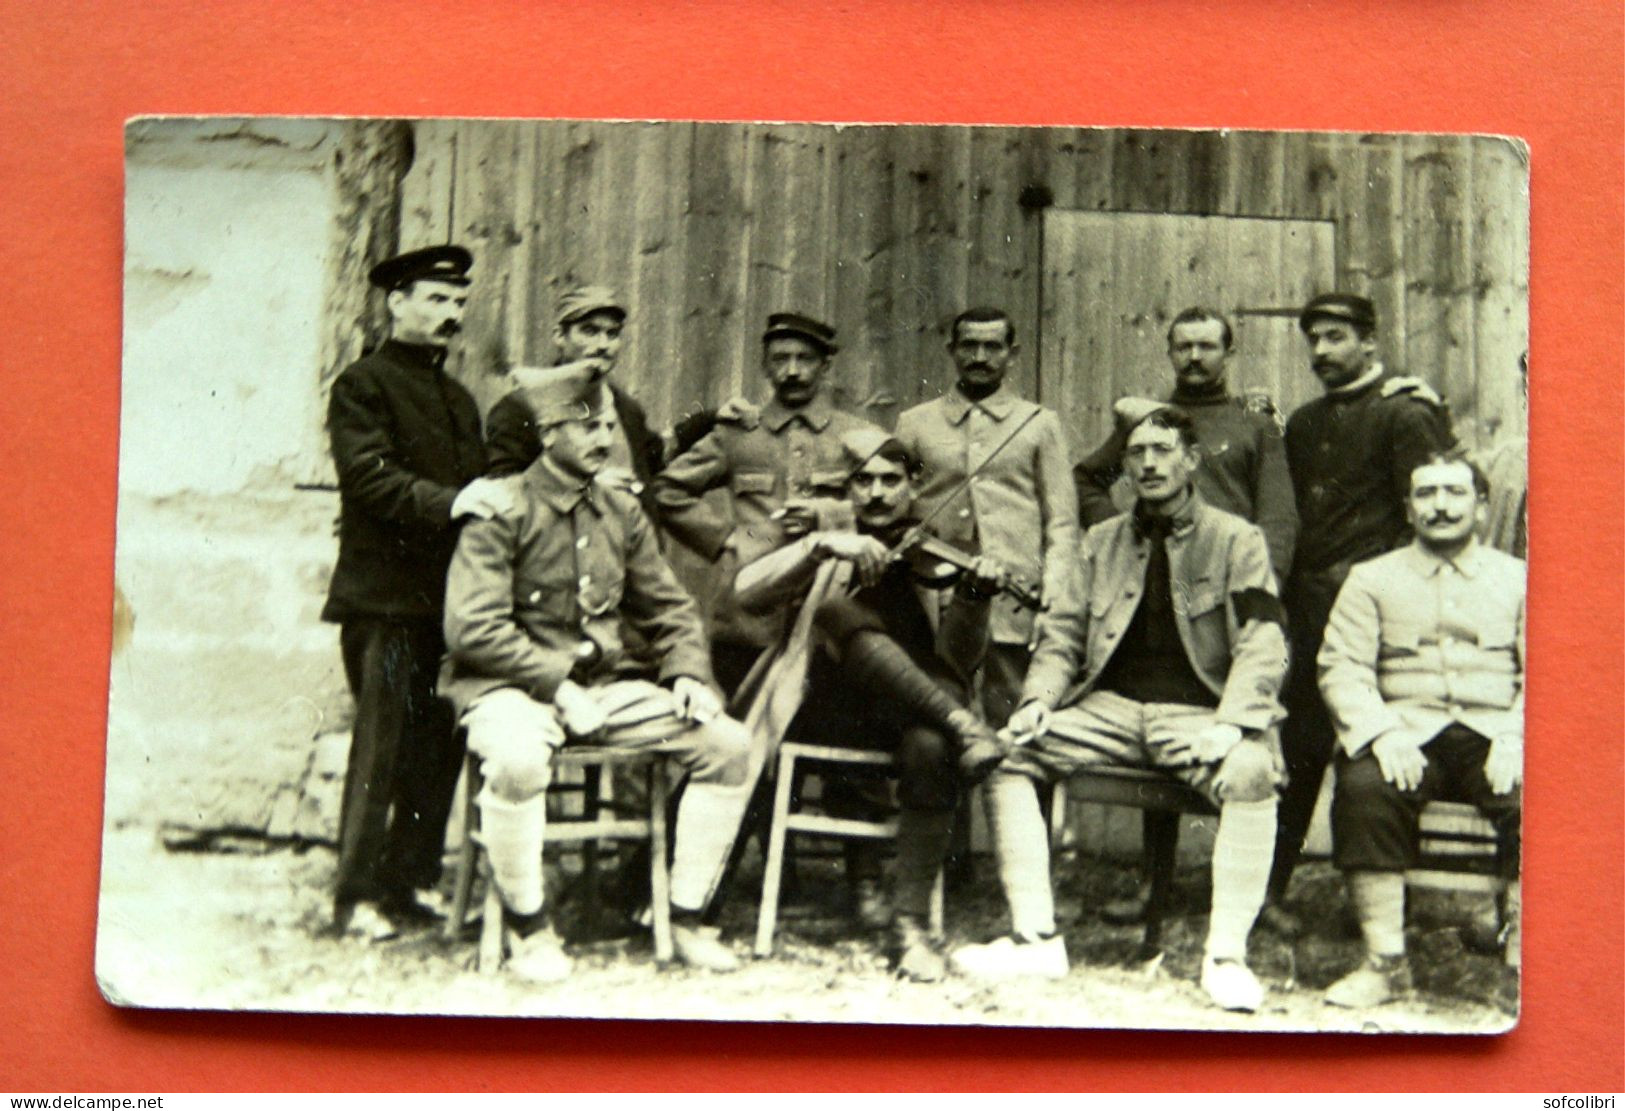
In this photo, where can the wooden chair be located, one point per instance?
(786, 821)
(597, 821)
(1458, 843)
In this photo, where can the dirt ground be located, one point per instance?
(239, 930)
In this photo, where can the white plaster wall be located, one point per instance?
(225, 269)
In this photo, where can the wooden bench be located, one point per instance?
(1458, 843)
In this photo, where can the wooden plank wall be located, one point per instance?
(889, 231)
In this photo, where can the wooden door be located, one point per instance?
(1113, 280)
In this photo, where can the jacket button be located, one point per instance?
(581, 541)
(964, 514)
(535, 595)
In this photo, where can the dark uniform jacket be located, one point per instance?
(512, 442)
(405, 439)
(1351, 457)
(538, 595)
(1243, 471)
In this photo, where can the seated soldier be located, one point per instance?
(534, 605)
(889, 676)
(1422, 669)
(1168, 654)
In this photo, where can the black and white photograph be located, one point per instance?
(841, 573)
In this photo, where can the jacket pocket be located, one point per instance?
(830, 483)
(758, 483)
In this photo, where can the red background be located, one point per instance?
(1550, 72)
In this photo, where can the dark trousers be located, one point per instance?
(1375, 824)
(1308, 738)
(405, 756)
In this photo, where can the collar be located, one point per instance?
(562, 492)
(998, 404)
(1147, 525)
(815, 414)
(1467, 563)
(1215, 394)
(415, 354)
(1360, 384)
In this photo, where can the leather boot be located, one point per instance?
(879, 663)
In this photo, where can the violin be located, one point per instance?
(918, 542)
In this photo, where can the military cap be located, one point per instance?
(585, 300)
(816, 332)
(446, 263)
(568, 393)
(1351, 307)
(863, 443)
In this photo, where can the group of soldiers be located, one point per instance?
(1266, 601)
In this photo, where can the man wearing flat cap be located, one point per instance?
(407, 450)
(1020, 508)
(1351, 454)
(537, 600)
(588, 333)
(784, 469)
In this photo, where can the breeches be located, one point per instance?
(1375, 825)
(515, 736)
(1105, 729)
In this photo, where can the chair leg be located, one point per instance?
(1162, 836)
(467, 853)
(773, 872)
(490, 951)
(659, 869)
(591, 805)
(936, 915)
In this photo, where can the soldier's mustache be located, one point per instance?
(449, 328)
(1444, 519)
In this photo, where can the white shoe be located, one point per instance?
(1008, 958)
(370, 923)
(539, 958)
(1231, 985)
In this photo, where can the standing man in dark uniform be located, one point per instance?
(1351, 454)
(1242, 471)
(406, 446)
(589, 331)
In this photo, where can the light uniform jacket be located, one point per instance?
(1225, 607)
(763, 462)
(1417, 642)
(1021, 511)
(538, 595)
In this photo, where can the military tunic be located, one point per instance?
(538, 595)
(764, 462)
(1020, 510)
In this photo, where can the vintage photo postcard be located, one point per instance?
(868, 574)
